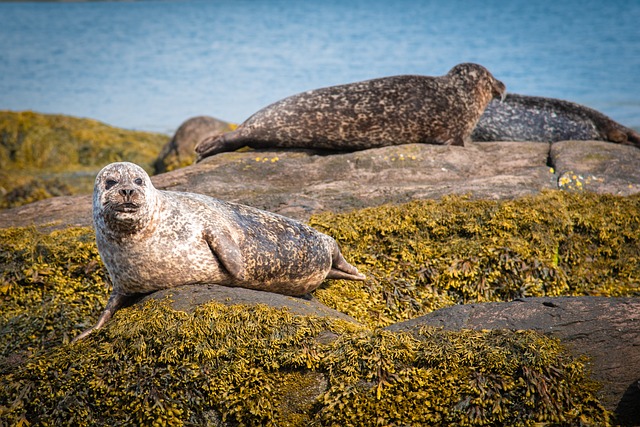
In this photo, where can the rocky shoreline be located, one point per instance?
(303, 183)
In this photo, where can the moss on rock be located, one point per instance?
(426, 255)
(51, 148)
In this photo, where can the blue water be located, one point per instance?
(152, 64)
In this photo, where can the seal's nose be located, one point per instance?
(127, 192)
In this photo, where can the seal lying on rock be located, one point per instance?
(369, 114)
(533, 118)
(151, 239)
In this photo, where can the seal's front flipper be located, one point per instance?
(215, 144)
(115, 302)
(228, 253)
(341, 269)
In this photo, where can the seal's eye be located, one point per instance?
(138, 181)
(110, 183)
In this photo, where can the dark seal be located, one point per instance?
(538, 119)
(374, 113)
(151, 239)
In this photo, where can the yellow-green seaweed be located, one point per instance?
(40, 154)
(152, 365)
(51, 284)
(156, 366)
(428, 254)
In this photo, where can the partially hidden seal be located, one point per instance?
(180, 150)
(152, 239)
(373, 113)
(539, 119)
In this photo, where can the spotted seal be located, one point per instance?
(152, 239)
(373, 113)
(538, 119)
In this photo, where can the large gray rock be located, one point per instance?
(605, 329)
(301, 183)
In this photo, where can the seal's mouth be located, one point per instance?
(126, 207)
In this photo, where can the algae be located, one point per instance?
(41, 152)
(236, 365)
(425, 255)
(51, 284)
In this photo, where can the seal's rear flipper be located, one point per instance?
(339, 274)
(341, 269)
(215, 144)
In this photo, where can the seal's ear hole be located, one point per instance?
(138, 181)
(110, 183)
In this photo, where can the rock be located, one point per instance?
(301, 183)
(598, 168)
(180, 151)
(605, 329)
(187, 298)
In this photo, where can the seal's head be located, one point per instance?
(475, 75)
(123, 199)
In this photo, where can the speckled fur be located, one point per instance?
(373, 113)
(151, 239)
(533, 118)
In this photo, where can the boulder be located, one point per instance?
(187, 298)
(301, 183)
(607, 330)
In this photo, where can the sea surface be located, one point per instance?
(150, 65)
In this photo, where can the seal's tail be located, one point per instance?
(634, 138)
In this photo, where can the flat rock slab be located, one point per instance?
(187, 298)
(605, 329)
(300, 183)
(601, 168)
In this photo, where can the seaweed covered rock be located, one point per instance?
(39, 153)
(253, 364)
(187, 298)
(180, 151)
(418, 257)
(51, 284)
(234, 365)
(426, 255)
(607, 330)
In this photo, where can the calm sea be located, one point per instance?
(152, 64)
